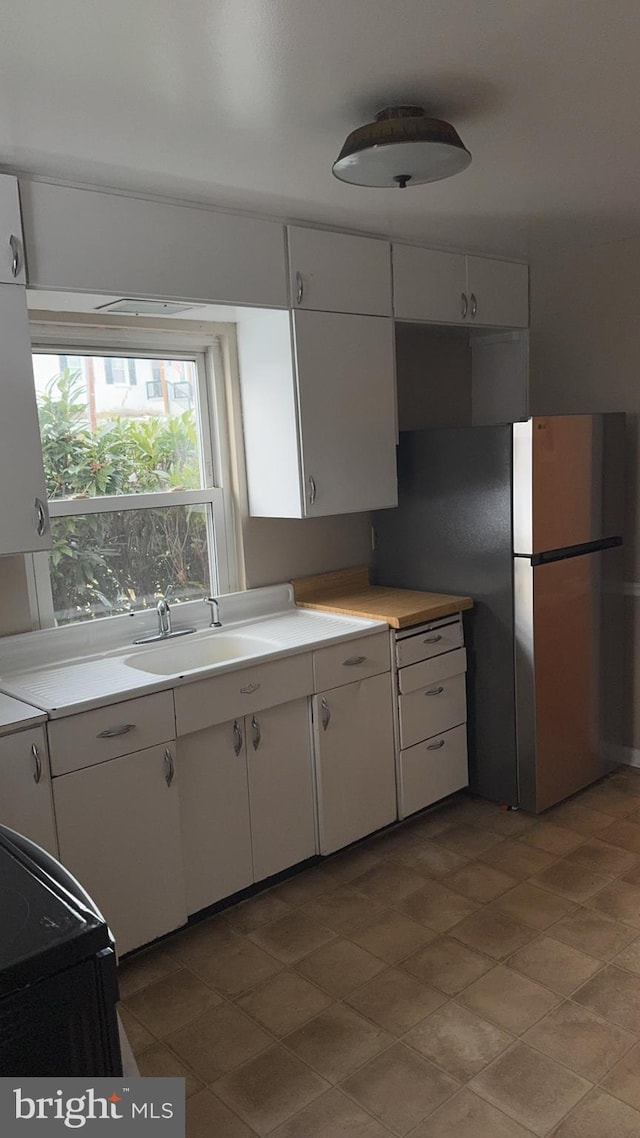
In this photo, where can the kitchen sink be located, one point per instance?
(173, 657)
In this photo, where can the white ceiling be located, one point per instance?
(245, 103)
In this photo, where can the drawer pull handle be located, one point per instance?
(170, 769)
(435, 691)
(435, 746)
(326, 714)
(249, 689)
(351, 660)
(111, 732)
(37, 774)
(237, 734)
(255, 727)
(432, 639)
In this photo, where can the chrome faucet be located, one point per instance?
(215, 621)
(164, 625)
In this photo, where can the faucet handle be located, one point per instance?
(215, 621)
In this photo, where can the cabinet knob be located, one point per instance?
(326, 713)
(170, 770)
(237, 736)
(37, 761)
(14, 246)
(299, 288)
(464, 305)
(255, 727)
(474, 306)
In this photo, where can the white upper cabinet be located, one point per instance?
(451, 288)
(337, 272)
(91, 241)
(24, 520)
(12, 269)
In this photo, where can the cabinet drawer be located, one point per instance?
(427, 643)
(427, 711)
(108, 732)
(353, 660)
(429, 671)
(214, 700)
(432, 769)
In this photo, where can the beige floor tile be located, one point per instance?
(470, 841)
(479, 882)
(615, 995)
(624, 834)
(343, 910)
(533, 906)
(219, 1041)
(580, 1040)
(138, 1036)
(269, 1089)
(593, 933)
(343, 867)
(629, 958)
(600, 1116)
(603, 858)
(202, 942)
(171, 1003)
(447, 965)
(620, 900)
(291, 937)
(207, 1117)
(159, 1063)
(305, 886)
(395, 1000)
(437, 907)
(610, 799)
(553, 839)
(258, 910)
(505, 823)
(236, 968)
(582, 819)
(430, 859)
(458, 1040)
(333, 1115)
(388, 882)
(400, 1088)
(556, 965)
(624, 1080)
(340, 967)
(567, 879)
(468, 1116)
(336, 1042)
(391, 936)
(135, 972)
(530, 1087)
(394, 842)
(283, 1002)
(512, 1001)
(520, 859)
(492, 932)
(632, 874)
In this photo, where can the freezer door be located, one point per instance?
(568, 485)
(568, 655)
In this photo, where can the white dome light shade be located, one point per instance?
(403, 147)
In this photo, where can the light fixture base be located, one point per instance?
(402, 146)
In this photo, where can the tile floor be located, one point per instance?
(471, 974)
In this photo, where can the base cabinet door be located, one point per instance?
(353, 728)
(119, 834)
(25, 788)
(281, 791)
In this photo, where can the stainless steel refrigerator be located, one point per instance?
(526, 518)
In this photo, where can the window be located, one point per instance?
(128, 448)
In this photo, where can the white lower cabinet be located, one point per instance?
(353, 729)
(25, 781)
(119, 834)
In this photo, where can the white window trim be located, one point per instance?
(205, 348)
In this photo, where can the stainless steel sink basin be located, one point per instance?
(173, 657)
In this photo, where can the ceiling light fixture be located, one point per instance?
(402, 147)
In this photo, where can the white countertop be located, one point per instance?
(14, 715)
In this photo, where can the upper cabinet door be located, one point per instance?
(92, 241)
(346, 393)
(24, 522)
(429, 285)
(11, 248)
(336, 272)
(498, 293)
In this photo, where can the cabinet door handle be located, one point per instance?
(37, 774)
(464, 305)
(255, 727)
(169, 765)
(435, 746)
(435, 691)
(41, 511)
(432, 639)
(474, 305)
(351, 660)
(312, 490)
(14, 245)
(111, 732)
(326, 714)
(237, 736)
(299, 288)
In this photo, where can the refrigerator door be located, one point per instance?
(568, 481)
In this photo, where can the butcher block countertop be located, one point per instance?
(348, 591)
